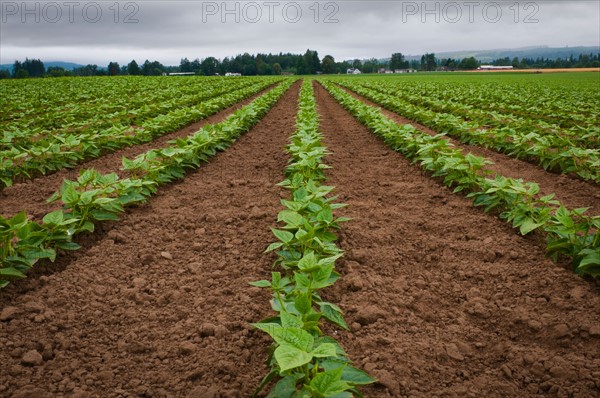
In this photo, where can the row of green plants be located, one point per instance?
(304, 361)
(129, 112)
(67, 150)
(95, 197)
(74, 103)
(585, 135)
(566, 104)
(551, 152)
(569, 233)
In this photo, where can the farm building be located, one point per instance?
(352, 71)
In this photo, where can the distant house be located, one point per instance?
(352, 71)
(181, 74)
(233, 74)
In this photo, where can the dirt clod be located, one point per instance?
(32, 358)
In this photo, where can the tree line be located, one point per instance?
(308, 63)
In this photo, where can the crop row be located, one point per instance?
(306, 362)
(72, 103)
(551, 152)
(583, 135)
(566, 104)
(569, 233)
(129, 113)
(94, 197)
(63, 151)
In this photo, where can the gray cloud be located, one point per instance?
(168, 31)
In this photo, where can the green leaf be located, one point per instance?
(529, 225)
(101, 215)
(308, 262)
(68, 246)
(283, 236)
(324, 350)
(70, 195)
(350, 374)
(274, 246)
(303, 304)
(262, 283)
(325, 215)
(330, 383)
(285, 388)
(590, 264)
(12, 272)
(290, 217)
(19, 218)
(39, 253)
(333, 314)
(56, 217)
(290, 357)
(291, 321)
(268, 327)
(295, 337)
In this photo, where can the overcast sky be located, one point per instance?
(99, 32)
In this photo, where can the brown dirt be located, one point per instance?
(569, 189)
(31, 195)
(444, 300)
(159, 305)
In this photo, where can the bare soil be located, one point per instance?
(569, 189)
(31, 195)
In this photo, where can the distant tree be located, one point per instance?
(343, 66)
(146, 68)
(449, 63)
(4, 74)
(16, 67)
(301, 67)
(262, 68)
(196, 66)
(209, 66)
(357, 64)
(315, 65)
(428, 62)
(276, 68)
(153, 68)
(88, 70)
(328, 65)
(113, 69)
(185, 65)
(398, 62)
(33, 67)
(124, 70)
(56, 71)
(133, 68)
(469, 63)
(22, 74)
(371, 66)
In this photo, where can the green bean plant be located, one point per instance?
(304, 361)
